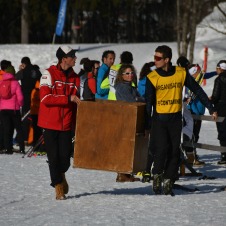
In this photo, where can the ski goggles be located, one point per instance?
(157, 58)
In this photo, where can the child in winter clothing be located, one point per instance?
(196, 107)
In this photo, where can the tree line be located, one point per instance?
(98, 21)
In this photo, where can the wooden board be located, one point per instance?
(205, 146)
(106, 136)
(207, 118)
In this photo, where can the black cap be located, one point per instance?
(182, 61)
(65, 51)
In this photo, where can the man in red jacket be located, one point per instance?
(59, 96)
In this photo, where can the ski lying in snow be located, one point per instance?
(32, 149)
(183, 188)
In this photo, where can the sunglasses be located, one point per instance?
(157, 58)
(128, 73)
(96, 68)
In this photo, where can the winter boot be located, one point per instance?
(197, 162)
(190, 157)
(9, 151)
(167, 186)
(157, 184)
(223, 159)
(65, 184)
(60, 192)
(123, 177)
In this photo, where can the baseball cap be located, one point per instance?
(221, 64)
(65, 51)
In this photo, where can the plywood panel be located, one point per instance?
(106, 136)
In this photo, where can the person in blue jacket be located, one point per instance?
(145, 70)
(108, 59)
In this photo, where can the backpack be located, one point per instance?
(87, 93)
(5, 89)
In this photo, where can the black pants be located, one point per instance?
(221, 129)
(59, 148)
(12, 120)
(1, 134)
(167, 139)
(150, 157)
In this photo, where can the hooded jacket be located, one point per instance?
(16, 101)
(56, 112)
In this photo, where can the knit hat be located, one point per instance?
(182, 61)
(222, 64)
(126, 57)
(65, 51)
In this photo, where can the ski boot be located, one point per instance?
(157, 184)
(223, 159)
(146, 177)
(167, 186)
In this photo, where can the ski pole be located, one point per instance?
(32, 149)
(22, 119)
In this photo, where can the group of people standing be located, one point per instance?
(160, 86)
(15, 102)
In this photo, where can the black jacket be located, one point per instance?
(28, 77)
(219, 94)
(150, 96)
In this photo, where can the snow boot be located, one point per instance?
(193, 159)
(167, 186)
(59, 192)
(197, 162)
(157, 184)
(9, 151)
(65, 184)
(190, 157)
(123, 177)
(223, 159)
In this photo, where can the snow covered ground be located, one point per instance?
(94, 197)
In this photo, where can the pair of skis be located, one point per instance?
(32, 149)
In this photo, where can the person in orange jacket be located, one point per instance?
(35, 103)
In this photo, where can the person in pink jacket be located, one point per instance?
(10, 114)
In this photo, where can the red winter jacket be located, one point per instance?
(56, 112)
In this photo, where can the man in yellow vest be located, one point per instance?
(164, 88)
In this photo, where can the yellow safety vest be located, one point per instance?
(168, 90)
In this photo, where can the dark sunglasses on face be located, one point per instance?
(157, 58)
(96, 68)
(128, 73)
